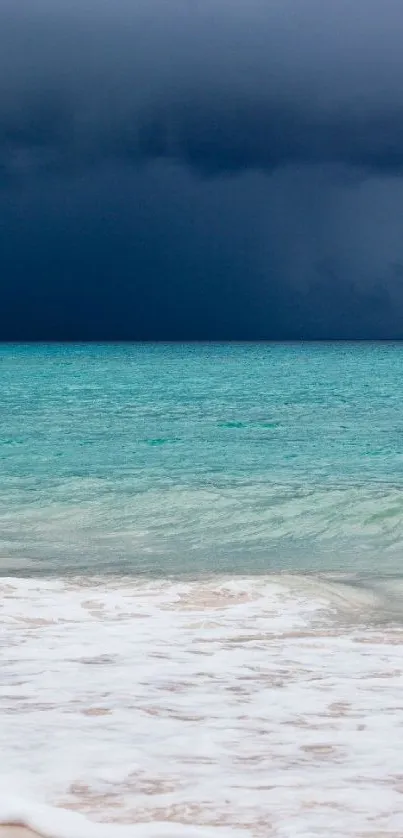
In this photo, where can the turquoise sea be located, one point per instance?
(201, 590)
(166, 459)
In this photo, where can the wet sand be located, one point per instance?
(16, 832)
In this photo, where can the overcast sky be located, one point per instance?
(201, 169)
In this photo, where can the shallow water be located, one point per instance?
(188, 459)
(201, 590)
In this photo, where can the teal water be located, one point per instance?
(163, 459)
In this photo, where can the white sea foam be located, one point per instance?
(138, 708)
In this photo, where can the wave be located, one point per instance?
(249, 526)
(350, 594)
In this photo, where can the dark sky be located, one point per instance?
(201, 169)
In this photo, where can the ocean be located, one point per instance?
(201, 613)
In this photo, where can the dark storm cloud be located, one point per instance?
(112, 114)
(220, 86)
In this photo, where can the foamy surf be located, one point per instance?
(269, 705)
(58, 823)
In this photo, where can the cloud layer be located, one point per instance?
(219, 86)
